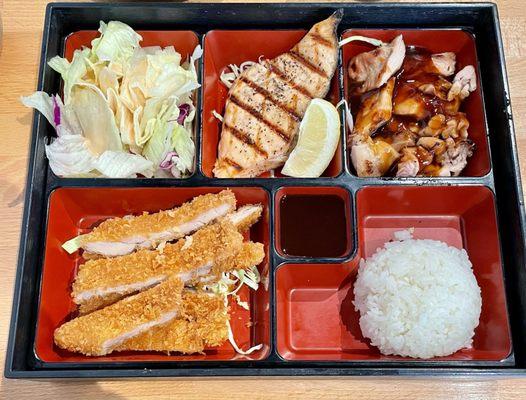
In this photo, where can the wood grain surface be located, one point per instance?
(20, 38)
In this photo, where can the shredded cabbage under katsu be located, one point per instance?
(223, 287)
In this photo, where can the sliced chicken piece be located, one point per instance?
(410, 102)
(204, 324)
(244, 217)
(433, 145)
(408, 166)
(464, 82)
(371, 157)
(267, 102)
(402, 139)
(438, 87)
(371, 70)
(455, 158)
(375, 111)
(443, 63)
(190, 259)
(419, 62)
(413, 160)
(445, 126)
(102, 331)
(121, 236)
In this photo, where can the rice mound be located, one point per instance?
(417, 298)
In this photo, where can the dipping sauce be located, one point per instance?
(313, 226)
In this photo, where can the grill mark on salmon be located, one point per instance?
(273, 68)
(321, 40)
(232, 163)
(257, 115)
(298, 57)
(268, 97)
(243, 137)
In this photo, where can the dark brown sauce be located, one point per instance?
(417, 70)
(313, 225)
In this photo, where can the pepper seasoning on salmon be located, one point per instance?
(266, 103)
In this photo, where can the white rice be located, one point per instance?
(418, 298)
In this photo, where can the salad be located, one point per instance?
(125, 111)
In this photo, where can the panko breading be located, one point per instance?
(102, 331)
(251, 254)
(189, 259)
(121, 236)
(244, 217)
(203, 322)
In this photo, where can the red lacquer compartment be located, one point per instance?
(463, 45)
(316, 319)
(313, 222)
(73, 211)
(222, 48)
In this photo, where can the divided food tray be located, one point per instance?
(305, 320)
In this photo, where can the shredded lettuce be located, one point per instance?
(117, 164)
(184, 147)
(358, 38)
(116, 42)
(236, 279)
(96, 119)
(160, 129)
(72, 73)
(122, 104)
(73, 245)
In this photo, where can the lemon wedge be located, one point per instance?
(317, 141)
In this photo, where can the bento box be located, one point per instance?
(303, 320)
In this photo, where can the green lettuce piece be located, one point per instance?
(162, 126)
(96, 119)
(184, 147)
(116, 43)
(72, 73)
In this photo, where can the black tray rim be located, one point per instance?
(32, 181)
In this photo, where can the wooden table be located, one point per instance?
(19, 56)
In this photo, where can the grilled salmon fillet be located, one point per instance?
(267, 102)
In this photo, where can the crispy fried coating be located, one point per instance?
(251, 254)
(203, 322)
(146, 225)
(244, 217)
(189, 258)
(97, 302)
(100, 332)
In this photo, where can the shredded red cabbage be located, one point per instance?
(56, 111)
(184, 110)
(167, 162)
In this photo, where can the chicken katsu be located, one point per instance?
(102, 331)
(120, 236)
(409, 121)
(202, 256)
(202, 323)
(268, 100)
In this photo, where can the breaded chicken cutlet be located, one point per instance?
(188, 259)
(209, 252)
(203, 323)
(121, 236)
(102, 331)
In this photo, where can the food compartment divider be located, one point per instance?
(503, 179)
